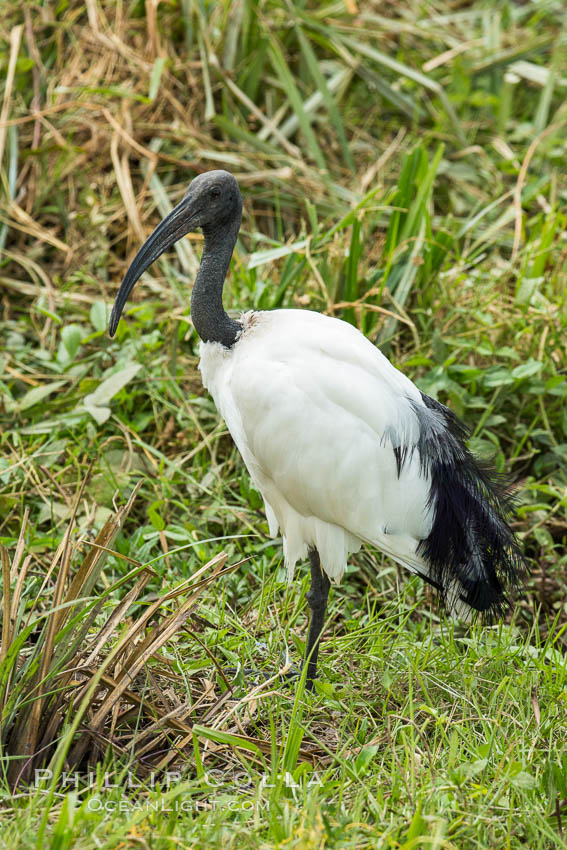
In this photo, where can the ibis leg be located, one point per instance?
(317, 600)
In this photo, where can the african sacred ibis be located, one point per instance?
(342, 446)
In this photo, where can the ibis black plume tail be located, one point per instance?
(472, 552)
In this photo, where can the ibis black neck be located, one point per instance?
(209, 317)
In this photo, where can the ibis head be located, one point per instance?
(213, 203)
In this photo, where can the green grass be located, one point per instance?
(403, 168)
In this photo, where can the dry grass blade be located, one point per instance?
(521, 181)
(90, 567)
(19, 546)
(20, 220)
(124, 181)
(15, 40)
(113, 621)
(6, 618)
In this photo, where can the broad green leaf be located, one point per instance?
(96, 403)
(523, 780)
(108, 388)
(98, 316)
(525, 370)
(154, 516)
(34, 396)
(71, 336)
(155, 77)
(364, 758)
(417, 827)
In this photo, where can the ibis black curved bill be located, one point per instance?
(175, 225)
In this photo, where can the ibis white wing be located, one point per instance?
(322, 418)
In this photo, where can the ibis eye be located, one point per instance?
(215, 192)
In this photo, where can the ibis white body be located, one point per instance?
(316, 410)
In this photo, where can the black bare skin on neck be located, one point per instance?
(209, 317)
